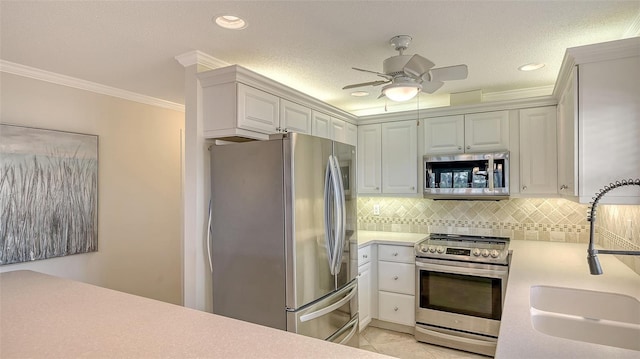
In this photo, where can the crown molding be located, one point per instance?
(200, 58)
(518, 94)
(604, 51)
(58, 79)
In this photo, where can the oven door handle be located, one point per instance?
(476, 272)
(484, 343)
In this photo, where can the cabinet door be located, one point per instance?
(538, 153)
(352, 134)
(337, 130)
(396, 277)
(364, 294)
(294, 117)
(397, 308)
(444, 135)
(257, 110)
(320, 124)
(487, 131)
(399, 157)
(567, 132)
(369, 159)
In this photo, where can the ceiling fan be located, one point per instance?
(406, 75)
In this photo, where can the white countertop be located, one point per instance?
(49, 317)
(407, 239)
(556, 264)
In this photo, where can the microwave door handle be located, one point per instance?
(490, 174)
(328, 235)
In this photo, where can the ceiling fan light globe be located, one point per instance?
(401, 92)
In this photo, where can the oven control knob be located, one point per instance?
(485, 252)
(440, 249)
(432, 249)
(424, 249)
(476, 252)
(495, 253)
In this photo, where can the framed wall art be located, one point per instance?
(48, 194)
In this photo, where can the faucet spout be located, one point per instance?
(592, 253)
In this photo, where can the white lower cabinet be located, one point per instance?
(364, 294)
(396, 308)
(396, 284)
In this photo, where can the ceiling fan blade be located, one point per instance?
(417, 65)
(371, 83)
(374, 72)
(431, 86)
(457, 72)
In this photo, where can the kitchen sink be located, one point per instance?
(585, 315)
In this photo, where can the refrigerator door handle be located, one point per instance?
(338, 205)
(328, 234)
(341, 217)
(331, 308)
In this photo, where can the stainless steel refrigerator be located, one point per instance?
(283, 235)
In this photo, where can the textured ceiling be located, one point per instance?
(308, 45)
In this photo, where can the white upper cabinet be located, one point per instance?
(257, 110)
(538, 151)
(352, 134)
(238, 103)
(488, 131)
(600, 121)
(294, 117)
(399, 157)
(567, 139)
(338, 131)
(387, 158)
(477, 132)
(320, 123)
(369, 159)
(444, 135)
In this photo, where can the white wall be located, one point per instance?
(139, 184)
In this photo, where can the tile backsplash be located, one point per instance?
(538, 219)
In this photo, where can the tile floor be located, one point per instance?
(404, 346)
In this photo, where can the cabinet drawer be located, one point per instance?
(396, 308)
(364, 255)
(396, 277)
(396, 253)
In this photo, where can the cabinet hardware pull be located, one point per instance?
(564, 186)
(365, 256)
(459, 147)
(395, 277)
(395, 309)
(395, 254)
(468, 147)
(524, 188)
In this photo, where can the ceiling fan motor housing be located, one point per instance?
(394, 65)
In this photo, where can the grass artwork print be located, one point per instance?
(48, 194)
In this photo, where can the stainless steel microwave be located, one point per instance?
(467, 176)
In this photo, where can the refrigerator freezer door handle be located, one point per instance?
(328, 234)
(331, 308)
(353, 325)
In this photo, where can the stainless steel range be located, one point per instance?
(460, 286)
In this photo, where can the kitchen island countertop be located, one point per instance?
(562, 265)
(49, 317)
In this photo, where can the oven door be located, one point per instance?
(460, 295)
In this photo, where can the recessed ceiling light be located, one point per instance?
(530, 67)
(360, 93)
(230, 22)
